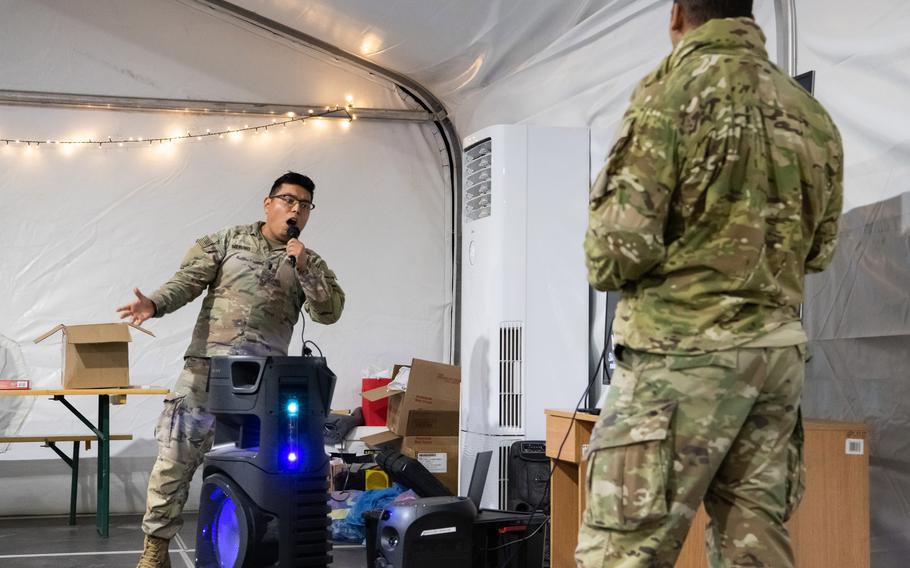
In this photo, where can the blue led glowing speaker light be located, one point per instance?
(265, 484)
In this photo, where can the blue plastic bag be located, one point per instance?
(351, 527)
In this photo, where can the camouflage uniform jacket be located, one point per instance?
(254, 293)
(724, 188)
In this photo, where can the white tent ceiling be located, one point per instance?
(449, 46)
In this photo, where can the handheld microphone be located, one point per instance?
(293, 233)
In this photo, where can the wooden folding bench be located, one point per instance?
(73, 462)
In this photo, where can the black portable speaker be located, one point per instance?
(529, 469)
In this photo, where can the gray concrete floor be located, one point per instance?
(48, 542)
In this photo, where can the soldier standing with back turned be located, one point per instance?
(722, 192)
(255, 294)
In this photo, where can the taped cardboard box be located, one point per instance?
(423, 420)
(439, 454)
(430, 404)
(95, 355)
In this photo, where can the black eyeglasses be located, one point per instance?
(290, 201)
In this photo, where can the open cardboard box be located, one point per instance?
(423, 420)
(430, 404)
(95, 355)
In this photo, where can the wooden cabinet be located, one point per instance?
(830, 529)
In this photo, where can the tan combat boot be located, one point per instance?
(154, 554)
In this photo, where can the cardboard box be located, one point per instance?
(439, 454)
(95, 355)
(423, 420)
(429, 406)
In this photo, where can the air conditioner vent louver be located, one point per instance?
(478, 171)
(511, 378)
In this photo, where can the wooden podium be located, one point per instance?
(829, 530)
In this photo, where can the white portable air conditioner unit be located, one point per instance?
(524, 303)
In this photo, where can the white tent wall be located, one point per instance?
(857, 312)
(81, 227)
(861, 53)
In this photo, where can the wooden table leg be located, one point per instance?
(565, 513)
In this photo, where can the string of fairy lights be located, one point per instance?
(344, 113)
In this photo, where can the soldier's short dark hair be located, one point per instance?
(293, 178)
(700, 11)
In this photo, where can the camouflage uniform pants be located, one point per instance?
(184, 432)
(723, 428)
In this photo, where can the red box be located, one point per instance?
(23, 384)
(374, 413)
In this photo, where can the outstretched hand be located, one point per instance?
(139, 310)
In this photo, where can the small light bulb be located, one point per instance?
(349, 98)
(292, 457)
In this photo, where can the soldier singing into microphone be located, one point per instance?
(258, 278)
